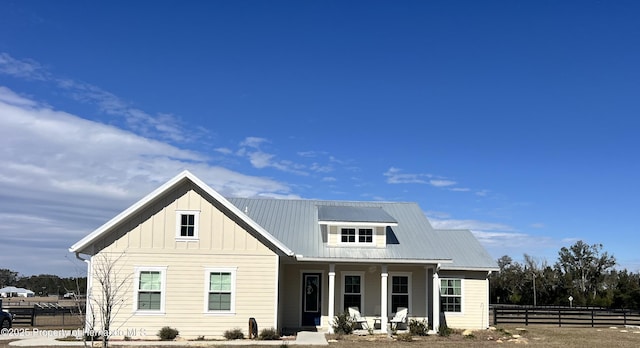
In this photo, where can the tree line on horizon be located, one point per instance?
(584, 273)
(43, 284)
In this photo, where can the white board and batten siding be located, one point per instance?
(149, 240)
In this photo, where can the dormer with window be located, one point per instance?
(351, 226)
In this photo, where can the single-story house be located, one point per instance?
(194, 260)
(12, 291)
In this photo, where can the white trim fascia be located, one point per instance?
(377, 261)
(356, 224)
(178, 179)
(463, 269)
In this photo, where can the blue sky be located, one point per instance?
(517, 120)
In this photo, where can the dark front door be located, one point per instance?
(311, 295)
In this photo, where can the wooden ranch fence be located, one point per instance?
(565, 316)
(54, 317)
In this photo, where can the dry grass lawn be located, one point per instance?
(535, 336)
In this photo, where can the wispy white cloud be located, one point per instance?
(460, 189)
(224, 150)
(468, 225)
(252, 149)
(310, 154)
(499, 238)
(319, 168)
(9, 97)
(395, 176)
(26, 68)
(441, 183)
(253, 142)
(63, 175)
(161, 126)
(261, 159)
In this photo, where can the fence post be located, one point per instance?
(526, 316)
(624, 311)
(592, 312)
(33, 315)
(495, 315)
(559, 317)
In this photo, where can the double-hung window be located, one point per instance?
(352, 291)
(400, 291)
(187, 224)
(220, 290)
(150, 289)
(451, 295)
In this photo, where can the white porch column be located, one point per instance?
(384, 279)
(436, 298)
(332, 295)
(426, 291)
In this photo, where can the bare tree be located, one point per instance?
(109, 287)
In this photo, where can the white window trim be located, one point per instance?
(196, 224)
(462, 295)
(343, 275)
(390, 290)
(207, 272)
(374, 236)
(163, 289)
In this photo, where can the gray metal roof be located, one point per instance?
(295, 224)
(354, 214)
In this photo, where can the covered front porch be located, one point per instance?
(311, 294)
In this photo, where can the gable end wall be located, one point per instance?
(148, 239)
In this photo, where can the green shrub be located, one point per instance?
(343, 324)
(200, 338)
(235, 334)
(168, 333)
(418, 327)
(269, 334)
(405, 337)
(444, 330)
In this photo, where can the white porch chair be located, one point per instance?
(399, 318)
(354, 313)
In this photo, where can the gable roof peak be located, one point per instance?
(94, 236)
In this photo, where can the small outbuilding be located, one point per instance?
(12, 291)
